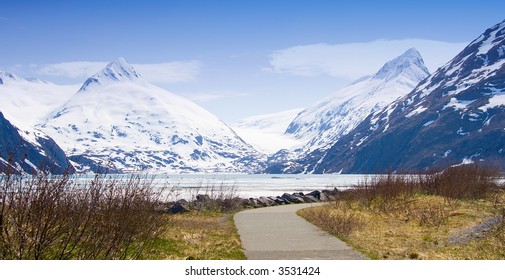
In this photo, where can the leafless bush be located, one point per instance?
(386, 193)
(470, 181)
(383, 193)
(57, 217)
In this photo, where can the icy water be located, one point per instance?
(254, 185)
(187, 186)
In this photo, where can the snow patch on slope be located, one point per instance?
(27, 102)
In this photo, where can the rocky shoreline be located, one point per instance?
(205, 202)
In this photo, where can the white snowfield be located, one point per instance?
(266, 132)
(28, 102)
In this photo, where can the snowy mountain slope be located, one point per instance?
(119, 120)
(29, 151)
(266, 132)
(456, 115)
(28, 102)
(325, 122)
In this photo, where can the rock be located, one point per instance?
(331, 194)
(265, 201)
(180, 206)
(202, 197)
(309, 199)
(233, 204)
(292, 198)
(254, 202)
(316, 194)
(280, 201)
(321, 196)
(245, 203)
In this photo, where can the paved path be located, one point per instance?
(278, 233)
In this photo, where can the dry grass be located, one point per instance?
(420, 233)
(199, 236)
(422, 224)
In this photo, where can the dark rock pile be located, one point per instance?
(205, 202)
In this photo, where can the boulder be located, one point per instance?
(292, 198)
(321, 196)
(316, 194)
(280, 201)
(202, 197)
(309, 199)
(180, 206)
(331, 194)
(254, 202)
(265, 201)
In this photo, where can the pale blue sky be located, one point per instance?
(235, 58)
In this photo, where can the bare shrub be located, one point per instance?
(470, 181)
(57, 217)
(467, 181)
(384, 193)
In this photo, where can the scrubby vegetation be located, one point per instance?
(108, 217)
(458, 213)
(54, 217)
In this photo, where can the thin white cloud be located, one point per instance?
(169, 72)
(354, 60)
(209, 96)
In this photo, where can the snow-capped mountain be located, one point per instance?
(28, 102)
(266, 132)
(29, 151)
(456, 115)
(324, 123)
(121, 122)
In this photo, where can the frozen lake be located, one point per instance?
(256, 185)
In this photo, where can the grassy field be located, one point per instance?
(406, 218)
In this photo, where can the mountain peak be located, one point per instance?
(409, 64)
(117, 70)
(491, 38)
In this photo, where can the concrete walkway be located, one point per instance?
(278, 233)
